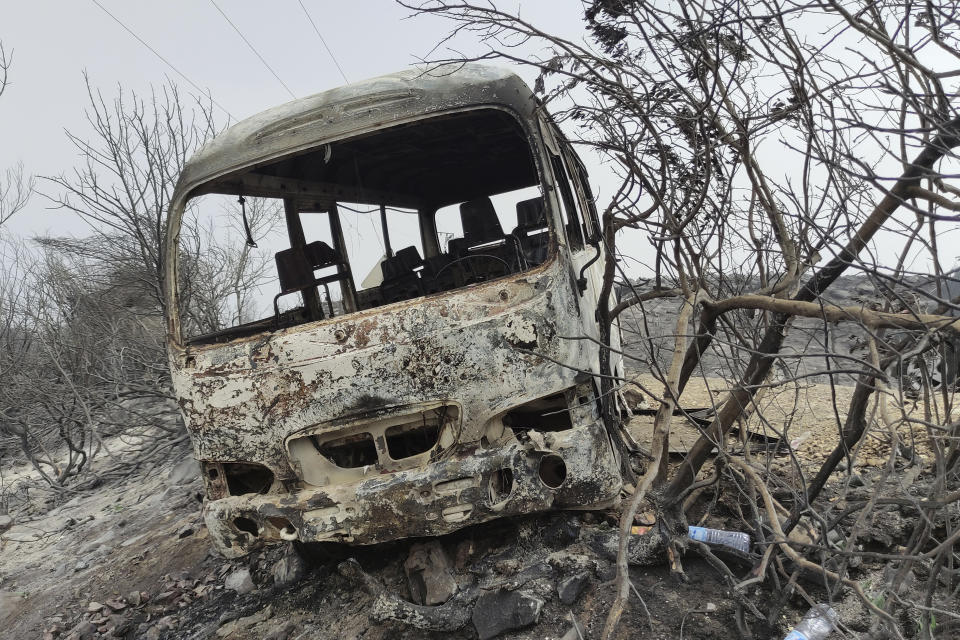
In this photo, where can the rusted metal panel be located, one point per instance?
(242, 400)
(416, 502)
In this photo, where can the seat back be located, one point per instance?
(400, 280)
(480, 222)
(531, 216)
(531, 231)
(295, 266)
(402, 263)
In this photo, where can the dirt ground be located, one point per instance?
(136, 563)
(132, 559)
(808, 419)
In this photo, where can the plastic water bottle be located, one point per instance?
(733, 539)
(819, 623)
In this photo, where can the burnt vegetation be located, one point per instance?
(766, 150)
(769, 157)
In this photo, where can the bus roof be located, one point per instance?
(352, 109)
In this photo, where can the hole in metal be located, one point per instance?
(553, 470)
(453, 486)
(349, 452)
(247, 525)
(244, 477)
(501, 485)
(457, 513)
(545, 414)
(405, 440)
(284, 527)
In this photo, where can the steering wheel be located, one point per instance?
(472, 256)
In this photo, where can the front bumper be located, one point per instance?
(537, 471)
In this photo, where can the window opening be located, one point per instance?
(571, 221)
(587, 206)
(401, 212)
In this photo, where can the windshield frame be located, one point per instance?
(534, 143)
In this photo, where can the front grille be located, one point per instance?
(402, 440)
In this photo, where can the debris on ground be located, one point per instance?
(429, 574)
(133, 559)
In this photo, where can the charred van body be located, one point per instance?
(451, 385)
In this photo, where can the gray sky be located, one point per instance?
(55, 41)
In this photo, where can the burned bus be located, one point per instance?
(454, 382)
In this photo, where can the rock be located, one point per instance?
(567, 562)
(116, 605)
(241, 624)
(856, 480)
(507, 566)
(166, 623)
(84, 630)
(55, 631)
(282, 633)
(119, 626)
(135, 598)
(562, 530)
(289, 569)
(184, 472)
(636, 400)
(5, 522)
(10, 603)
(570, 588)
(81, 565)
(429, 574)
(239, 581)
(500, 611)
(94, 606)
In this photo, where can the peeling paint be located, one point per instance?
(389, 422)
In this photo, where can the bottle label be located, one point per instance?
(796, 635)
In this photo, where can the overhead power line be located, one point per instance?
(252, 48)
(164, 60)
(325, 45)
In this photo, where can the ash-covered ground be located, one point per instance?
(131, 558)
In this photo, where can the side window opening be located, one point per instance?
(588, 208)
(385, 248)
(223, 282)
(568, 205)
